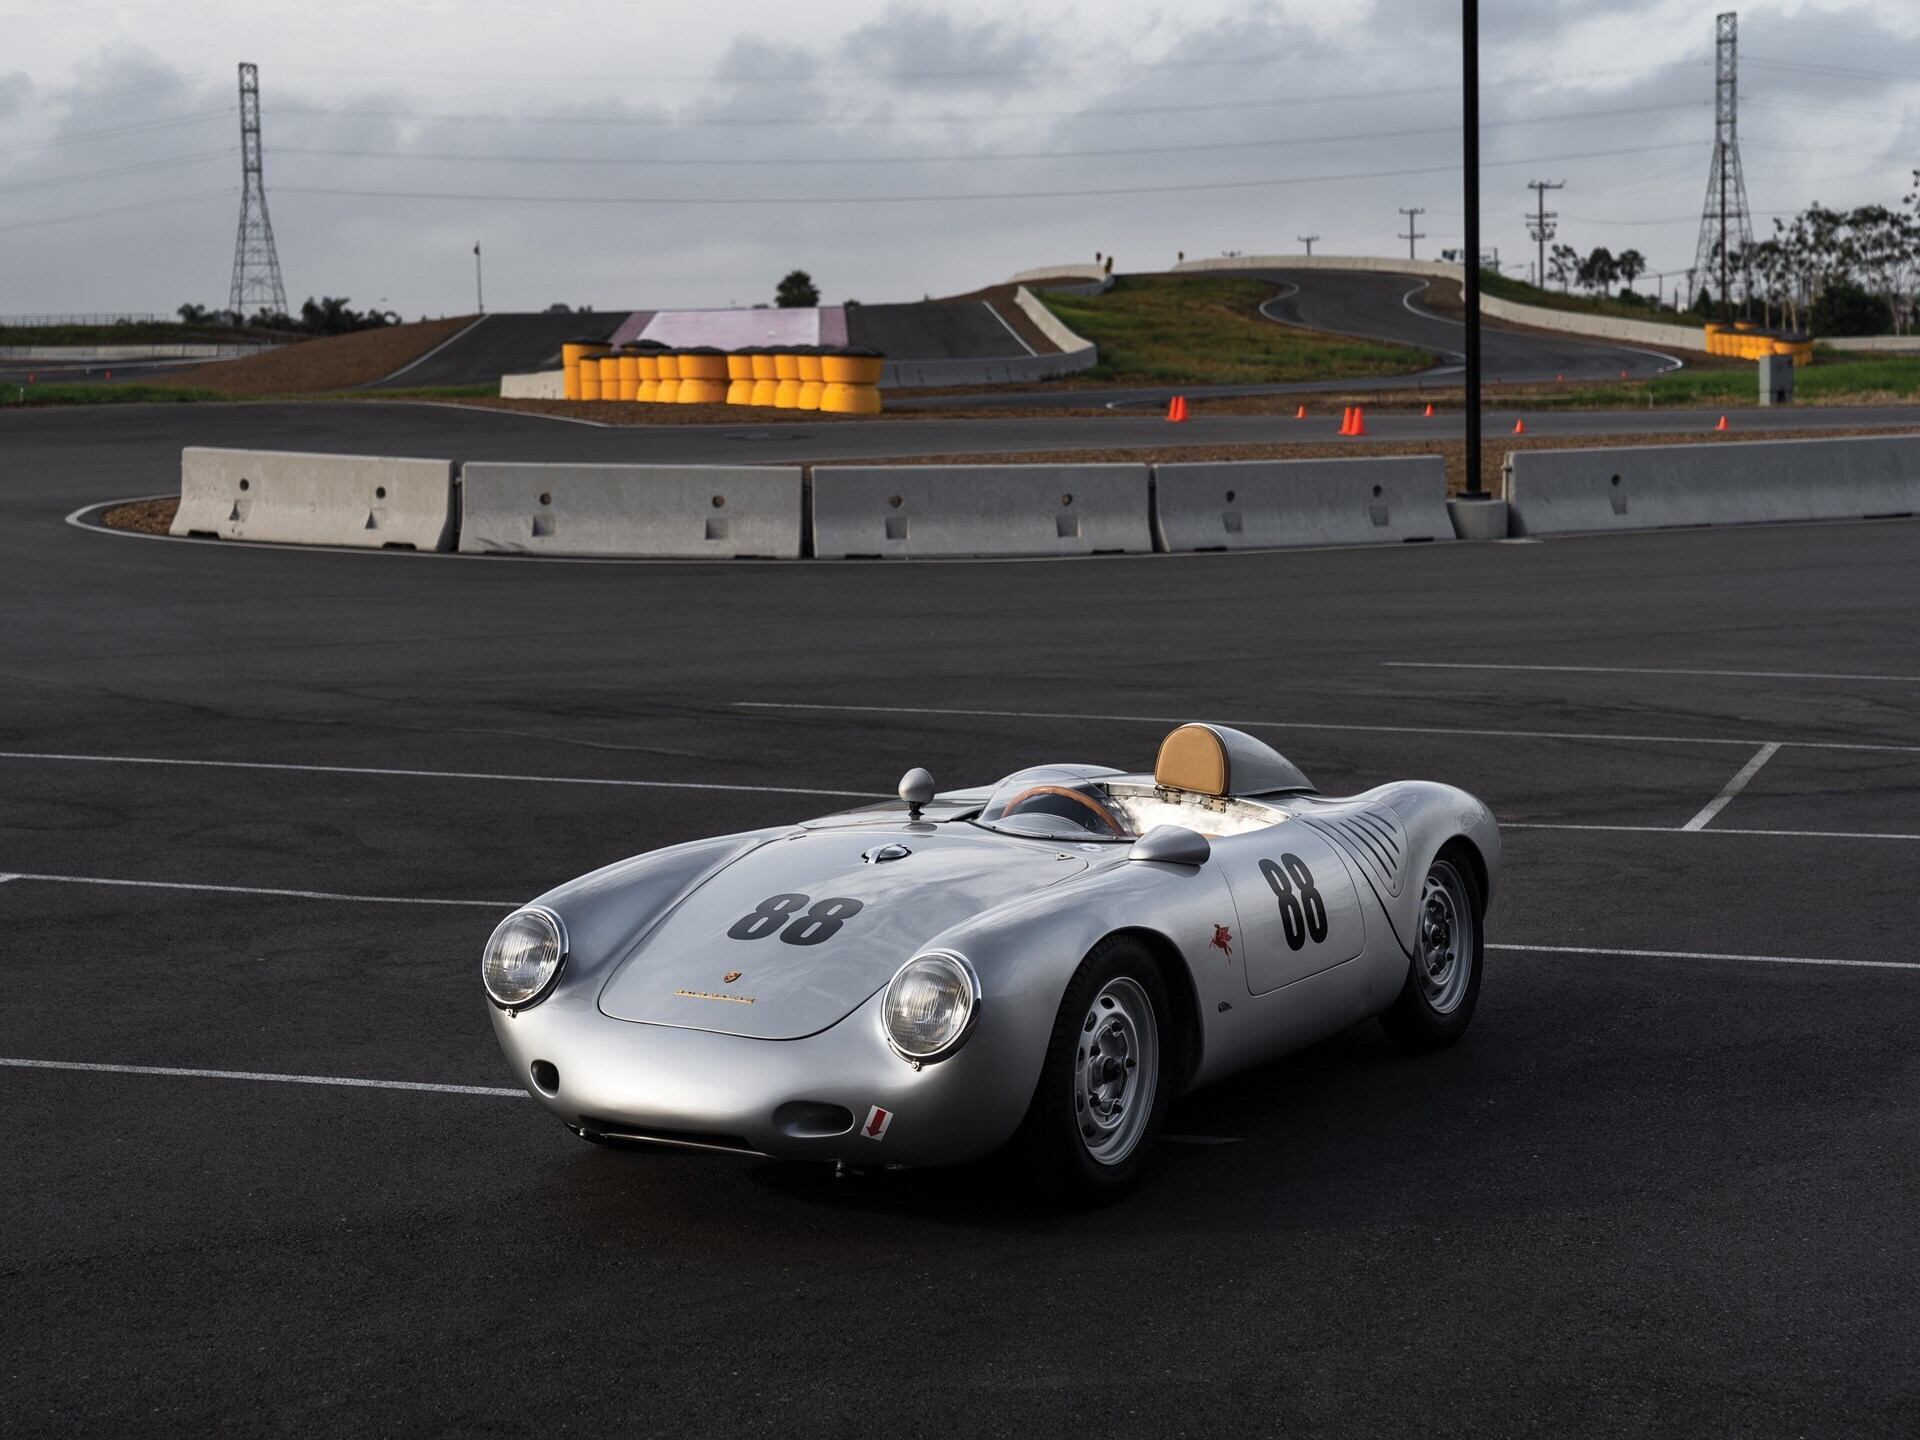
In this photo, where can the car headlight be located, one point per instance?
(931, 1005)
(523, 956)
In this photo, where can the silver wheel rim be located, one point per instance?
(1445, 953)
(1116, 1071)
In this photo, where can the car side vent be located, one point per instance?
(1374, 836)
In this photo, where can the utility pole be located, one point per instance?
(1412, 234)
(478, 298)
(1307, 240)
(1470, 190)
(1540, 224)
(256, 264)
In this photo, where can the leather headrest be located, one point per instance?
(1193, 758)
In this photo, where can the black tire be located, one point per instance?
(1428, 1015)
(1059, 1158)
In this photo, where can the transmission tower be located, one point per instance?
(1540, 224)
(1726, 228)
(256, 265)
(1307, 240)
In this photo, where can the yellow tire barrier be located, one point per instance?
(571, 354)
(669, 391)
(812, 383)
(852, 382)
(628, 369)
(649, 365)
(766, 378)
(786, 393)
(703, 377)
(739, 378)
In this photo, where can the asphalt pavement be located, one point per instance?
(263, 807)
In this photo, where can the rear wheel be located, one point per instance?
(1436, 1004)
(1102, 1091)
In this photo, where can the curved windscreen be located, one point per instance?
(1055, 802)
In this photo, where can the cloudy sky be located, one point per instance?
(682, 154)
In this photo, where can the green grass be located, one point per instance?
(1181, 329)
(79, 393)
(1637, 308)
(1860, 381)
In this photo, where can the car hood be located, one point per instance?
(799, 961)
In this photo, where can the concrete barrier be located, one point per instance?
(365, 501)
(1557, 492)
(644, 511)
(933, 511)
(1267, 504)
(536, 385)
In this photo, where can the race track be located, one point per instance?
(262, 807)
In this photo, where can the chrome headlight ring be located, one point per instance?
(523, 958)
(931, 1006)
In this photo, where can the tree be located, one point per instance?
(1845, 309)
(1563, 263)
(1596, 272)
(1629, 265)
(797, 291)
(193, 314)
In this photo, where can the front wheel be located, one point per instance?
(1443, 982)
(1102, 1091)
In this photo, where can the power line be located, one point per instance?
(194, 198)
(114, 132)
(1049, 194)
(138, 168)
(951, 158)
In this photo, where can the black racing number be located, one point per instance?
(766, 917)
(820, 924)
(1304, 913)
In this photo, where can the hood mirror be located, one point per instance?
(1172, 845)
(916, 788)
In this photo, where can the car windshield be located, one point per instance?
(1055, 802)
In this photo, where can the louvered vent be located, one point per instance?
(1374, 836)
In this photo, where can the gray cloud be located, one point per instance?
(579, 211)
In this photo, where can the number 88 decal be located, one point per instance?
(1301, 914)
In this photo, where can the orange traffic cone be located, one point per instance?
(1301, 413)
(1519, 427)
(1429, 412)
(1623, 374)
(1359, 422)
(1560, 379)
(1723, 423)
(1346, 421)
(1177, 408)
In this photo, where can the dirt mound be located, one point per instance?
(337, 362)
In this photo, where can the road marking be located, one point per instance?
(1733, 787)
(436, 774)
(194, 1074)
(1706, 955)
(1644, 670)
(1723, 830)
(1469, 732)
(264, 890)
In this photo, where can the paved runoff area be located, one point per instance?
(263, 1166)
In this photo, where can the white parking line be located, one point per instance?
(1470, 732)
(1717, 830)
(1733, 787)
(1643, 670)
(264, 890)
(1706, 955)
(435, 774)
(191, 1074)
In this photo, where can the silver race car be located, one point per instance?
(1046, 961)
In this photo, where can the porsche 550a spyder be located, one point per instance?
(1045, 961)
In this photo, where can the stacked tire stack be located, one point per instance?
(835, 380)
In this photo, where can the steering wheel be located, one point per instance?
(1094, 807)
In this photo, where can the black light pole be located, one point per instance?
(1470, 120)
